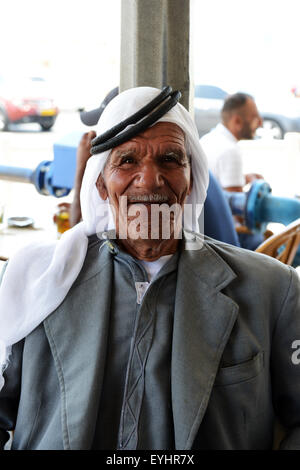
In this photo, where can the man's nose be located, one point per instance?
(149, 177)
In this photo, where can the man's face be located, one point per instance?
(251, 120)
(151, 168)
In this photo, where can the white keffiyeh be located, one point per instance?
(39, 276)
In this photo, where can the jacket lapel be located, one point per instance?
(203, 321)
(78, 343)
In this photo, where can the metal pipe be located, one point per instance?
(259, 207)
(41, 178)
(11, 173)
(279, 209)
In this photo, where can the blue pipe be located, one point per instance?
(259, 207)
(12, 173)
(41, 178)
(279, 209)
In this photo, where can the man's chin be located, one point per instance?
(248, 137)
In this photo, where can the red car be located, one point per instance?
(24, 100)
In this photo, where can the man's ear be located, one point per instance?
(238, 121)
(100, 184)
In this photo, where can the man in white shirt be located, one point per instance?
(240, 119)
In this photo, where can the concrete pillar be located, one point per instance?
(156, 45)
(178, 55)
(142, 33)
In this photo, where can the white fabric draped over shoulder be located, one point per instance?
(39, 276)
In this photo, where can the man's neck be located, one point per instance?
(232, 130)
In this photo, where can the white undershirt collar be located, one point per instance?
(153, 267)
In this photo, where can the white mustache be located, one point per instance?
(154, 197)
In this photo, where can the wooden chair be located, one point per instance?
(284, 245)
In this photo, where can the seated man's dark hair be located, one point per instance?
(233, 104)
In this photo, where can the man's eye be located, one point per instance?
(126, 160)
(170, 159)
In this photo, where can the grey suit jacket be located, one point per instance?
(236, 317)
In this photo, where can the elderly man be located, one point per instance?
(119, 336)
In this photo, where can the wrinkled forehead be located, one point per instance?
(160, 133)
(163, 137)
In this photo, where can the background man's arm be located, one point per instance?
(250, 177)
(230, 170)
(234, 189)
(83, 154)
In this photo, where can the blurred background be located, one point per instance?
(61, 56)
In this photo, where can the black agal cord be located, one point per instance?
(142, 119)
